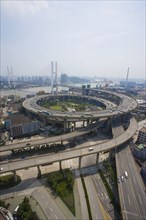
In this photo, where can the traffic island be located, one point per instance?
(9, 181)
(61, 182)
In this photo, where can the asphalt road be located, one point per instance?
(48, 205)
(94, 203)
(58, 138)
(72, 153)
(131, 190)
(132, 194)
(103, 196)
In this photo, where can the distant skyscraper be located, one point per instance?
(64, 78)
(54, 76)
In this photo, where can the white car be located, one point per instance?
(122, 178)
(126, 174)
(1, 168)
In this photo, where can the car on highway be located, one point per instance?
(1, 169)
(122, 178)
(126, 174)
(90, 148)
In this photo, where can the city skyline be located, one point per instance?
(100, 39)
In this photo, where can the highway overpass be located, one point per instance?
(72, 153)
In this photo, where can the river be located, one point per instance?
(32, 91)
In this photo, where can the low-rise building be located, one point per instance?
(140, 152)
(20, 125)
(142, 136)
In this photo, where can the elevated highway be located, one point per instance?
(54, 139)
(124, 104)
(73, 153)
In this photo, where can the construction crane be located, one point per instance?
(126, 83)
(106, 83)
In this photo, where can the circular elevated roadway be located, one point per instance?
(126, 104)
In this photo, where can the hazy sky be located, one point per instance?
(86, 38)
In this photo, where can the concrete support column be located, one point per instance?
(64, 125)
(80, 162)
(39, 171)
(97, 158)
(83, 124)
(15, 176)
(74, 124)
(88, 122)
(60, 165)
(68, 124)
(61, 142)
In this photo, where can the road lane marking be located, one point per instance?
(56, 217)
(130, 164)
(134, 179)
(140, 199)
(104, 213)
(129, 200)
(51, 209)
(46, 202)
(92, 197)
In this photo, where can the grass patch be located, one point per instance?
(56, 107)
(8, 181)
(64, 105)
(62, 182)
(110, 170)
(69, 201)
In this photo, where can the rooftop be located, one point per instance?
(143, 129)
(18, 119)
(140, 146)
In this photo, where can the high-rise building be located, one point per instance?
(64, 78)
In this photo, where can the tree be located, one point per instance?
(2, 203)
(24, 212)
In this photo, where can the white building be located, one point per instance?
(20, 125)
(142, 135)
